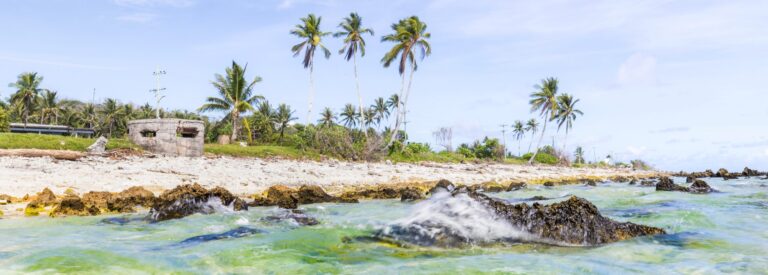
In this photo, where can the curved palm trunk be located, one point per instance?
(533, 136)
(359, 97)
(565, 144)
(311, 93)
(395, 128)
(538, 145)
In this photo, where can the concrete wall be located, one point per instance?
(170, 137)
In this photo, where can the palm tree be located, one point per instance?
(110, 115)
(566, 114)
(27, 91)
(310, 32)
(531, 126)
(235, 95)
(264, 120)
(349, 116)
(545, 101)
(49, 107)
(518, 130)
(367, 118)
(380, 109)
(146, 111)
(327, 118)
(88, 113)
(353, 31)
(579, 155)
(409, 36)
(283, 116)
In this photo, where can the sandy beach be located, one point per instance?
(244, 176)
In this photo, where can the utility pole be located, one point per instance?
(157, 90)
(504, 138)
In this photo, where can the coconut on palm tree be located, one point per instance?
(566, 114)
(235, 95)
(545, 102)
(518, 130)
(283, 117)
(352, 31)
(327, 118)
(309, 31)
(27, 93)
(409, 36)
(349, 116)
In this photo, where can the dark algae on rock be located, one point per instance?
(188, 199)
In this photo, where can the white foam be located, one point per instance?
(460, 215)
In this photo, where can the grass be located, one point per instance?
(260, 151)
(55, 142)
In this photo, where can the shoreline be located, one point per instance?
(20, 176)
(23, 178)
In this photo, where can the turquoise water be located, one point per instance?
(724, 232)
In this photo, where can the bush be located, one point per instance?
(335, 141)
(542, 157)
(5, 121)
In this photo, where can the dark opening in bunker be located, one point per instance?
(148, 133)
(187, 132)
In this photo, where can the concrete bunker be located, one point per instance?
(168, 136)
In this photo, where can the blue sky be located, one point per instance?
(677, 83)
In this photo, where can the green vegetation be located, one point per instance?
(5, 121)
(260, 151)
(51, 142)
(309, 31)
(542, 157)
(236, 95)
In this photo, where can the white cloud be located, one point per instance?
(638, 69)
(137, 17)
(145, 3)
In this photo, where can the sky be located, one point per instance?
(675, 83)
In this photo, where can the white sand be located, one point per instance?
(244, 176)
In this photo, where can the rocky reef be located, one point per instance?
(289, 198)
(698, 186)
(466, 217)
(188, 199)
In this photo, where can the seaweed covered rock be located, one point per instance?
(411, 194)
(294, 216)
(188, 199)
(72, 205)
(442, 184)
(490, 187)
(723, 173)
(515, 186)
(700, 187)
(465, 217)
(40, 201)
(666, 184)
(289, 198)
(128, 199)
(750, 173)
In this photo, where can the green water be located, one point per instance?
(724, 232)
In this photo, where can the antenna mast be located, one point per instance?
(157, 90)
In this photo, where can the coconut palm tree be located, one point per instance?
(264, 120)
(110, 112)
(327, 118)
(283, 117)
(309, 31)
(566, 114)
(380, 109)
(531, 126)
(349, 116)
(146, 111)
(579, 155)
(235, 95)
(518, 130)
(353, 31)
(409, 36)
(367, 118)
(545, 102)
(49, 107)
(88, 113)
(27, 92)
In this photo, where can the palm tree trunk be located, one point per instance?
(359, 97)
(395, 128)
(533, 136)
(234, 116)
(311, 93)
(543, 129)
(565, 144)
(519, 153)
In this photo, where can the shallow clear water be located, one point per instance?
(723, 232)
